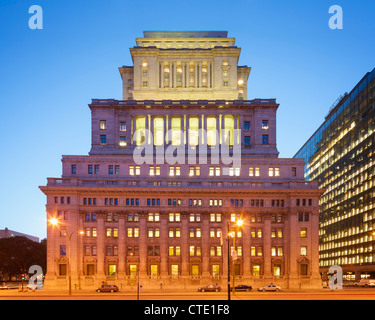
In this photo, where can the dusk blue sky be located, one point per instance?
(48, 77)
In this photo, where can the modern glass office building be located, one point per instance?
(340, 157)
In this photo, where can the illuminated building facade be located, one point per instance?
(165, 219)
(340, 157)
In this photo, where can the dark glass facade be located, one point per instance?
(340, 155)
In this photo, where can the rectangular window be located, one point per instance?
(103, 124)
(265, 139)
(74, 169)
(103, 139)
(122, 142)
(122, 126)
(264, 124)
(294, 171)
(247, 125)
(247, 141)
(62, 250)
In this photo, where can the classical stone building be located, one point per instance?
(172, 168)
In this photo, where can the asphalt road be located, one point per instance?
(348, 293)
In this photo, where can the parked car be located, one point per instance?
(107, 288)
(365, 283)
(242, 287)
(210, 288)
(270, 287)
(8, 286)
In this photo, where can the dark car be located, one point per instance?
(242, 287)
(107, 288)
(210, 288)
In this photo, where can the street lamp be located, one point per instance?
(239, 223)
(55, 223)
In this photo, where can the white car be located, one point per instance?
(365, 283)
(270, 287)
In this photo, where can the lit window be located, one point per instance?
(303, 233)
(151, 171)
(277, 172)
(122, 126)
(270, 172)
(103, 125)
(122, 142)
(303, 250)
(265, 124)
(257, 172)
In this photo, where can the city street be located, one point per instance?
(348, 293)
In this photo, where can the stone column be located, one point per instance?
(183, 75)
(164, 247)
(209, 75)
(121, 246)
(205, 246)
(170, 75)
(195, 74)
(52, 251)
(188, 75)
(200, 75)
(142, 246)
(294, 250)
(246, 247)
(100, 248)
(267, 248)
(185, 247)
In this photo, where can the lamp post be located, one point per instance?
(228, 238)
(55, 222)
(238, 224)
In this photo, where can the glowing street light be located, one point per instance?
(56, 223)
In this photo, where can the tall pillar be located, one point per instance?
(183, 74)
(52, 252)
(164, 246)
(195, 74)
(170, 75)
(205, 247)
(293, 250)
(188, 75)
(100, 248)
(246, 247)
(121, 246)
(174, 74)
(185, 247)
(200, 75)
(267, 248)
(142, 246)
(209, 75)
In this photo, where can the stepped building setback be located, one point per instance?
(172, 168)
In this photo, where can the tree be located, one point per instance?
(17, 254)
